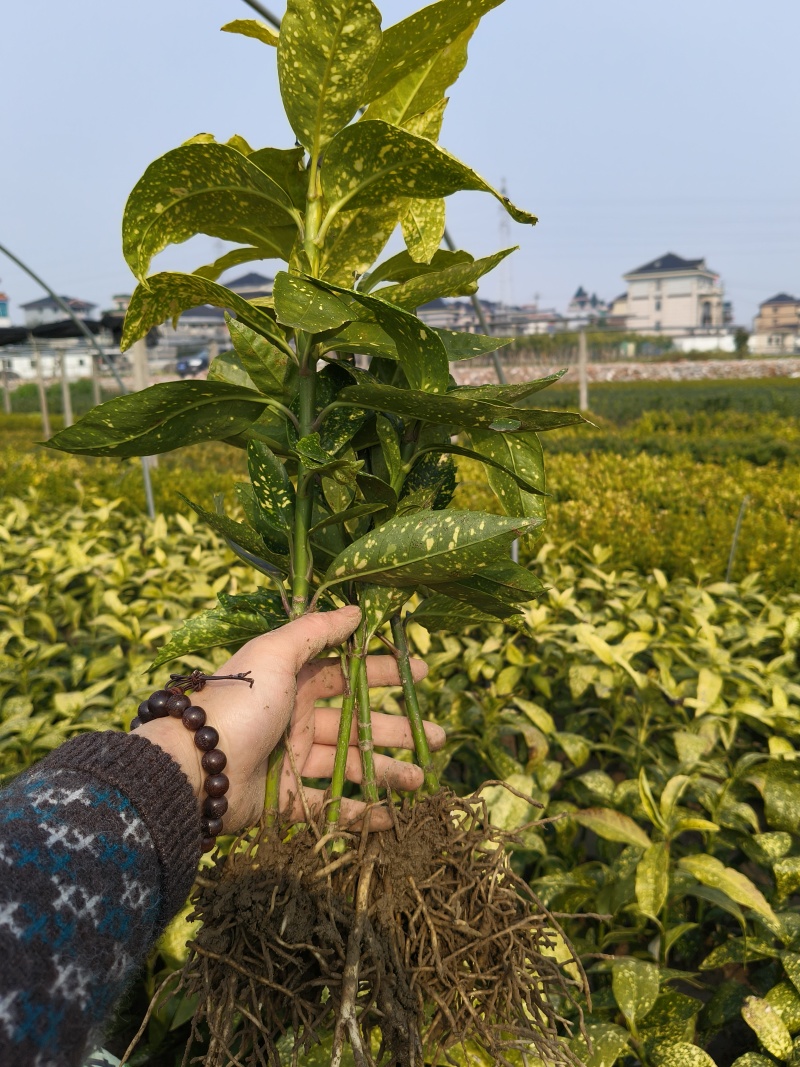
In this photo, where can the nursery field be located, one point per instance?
(651, 707)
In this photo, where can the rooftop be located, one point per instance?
(250, 281)
(49, 302)
(781, 298)
(669, 262)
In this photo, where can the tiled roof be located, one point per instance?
(669, 262)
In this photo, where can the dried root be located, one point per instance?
(423, 935)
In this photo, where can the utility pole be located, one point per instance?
(6, 391)
(97, 396)
(66, 396)
(84, 329)
(583, 379)
(42, 392)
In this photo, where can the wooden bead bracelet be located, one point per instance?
(172, 700)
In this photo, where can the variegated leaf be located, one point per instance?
(325, 53)
(371, 161)
(200, 188)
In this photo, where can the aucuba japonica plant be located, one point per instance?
(351, 471)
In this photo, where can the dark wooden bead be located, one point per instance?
(177, 704)
(211, 827)
(157, 703)
(215, 807)
(144, 714)
(207, 844)
(135, 723)
(216, 785)
(214, 761)
(206, 738)
(193, 718)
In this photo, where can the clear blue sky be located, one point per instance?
(631, 128)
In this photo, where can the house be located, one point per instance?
(675, 296)
(45, 311)
(617, 317)
(776, 329)
(583, 310)
(5, 321)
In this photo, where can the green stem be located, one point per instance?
(304, 504)
(412, 705)
(366, 747)
(272, 792)
(350, 672)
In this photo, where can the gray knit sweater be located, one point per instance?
(99, 844)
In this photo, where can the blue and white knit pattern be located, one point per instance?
(79, 904)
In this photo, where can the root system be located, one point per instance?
(406, 943)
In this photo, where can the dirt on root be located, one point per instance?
(422, 934)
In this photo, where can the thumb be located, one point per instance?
(303, 639)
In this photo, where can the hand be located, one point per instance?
(251, 722)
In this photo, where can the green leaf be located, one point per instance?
(368, 338)
(314, 457)
(460, 279)
(652, 879)
(390, 447)
(165, 416)
(768, 1026)
(791, 964)
(372, 161)
(278, 245)
(325, 54)
(426, 547)
(419, 350)
(681, 1054)
(286, 167)
(227, 367)
(356, 512)
(753, 1059)
(608, 1043)
(216, 627)
(234, 532)
(423, 228)
(402, 268)
(782, 795)
(270, 368)
(507, 394)
(274, 493)
(449, 410)
(425, 85)
(636, 984)
(304, 305)
(378, 604)
(671, 1019)
(356, 239)
(440, 612)
(500, 590)
(493, 465)
(200, 188)
(612, 826)
(711, 872)
(408, 45)
(515, 470)
(260, 31)
(166, 295)
(784, 998)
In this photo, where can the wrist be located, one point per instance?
(173, 738)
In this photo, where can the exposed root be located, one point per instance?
(422, 935)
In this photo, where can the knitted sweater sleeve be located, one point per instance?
(97, 853)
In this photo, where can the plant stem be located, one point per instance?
(412, 705)
(303, 560)
(350, 671)
(272, 792)
(366, 747)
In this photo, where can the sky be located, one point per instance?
(630, 127)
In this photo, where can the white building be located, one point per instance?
(676, 297)
(45, 311)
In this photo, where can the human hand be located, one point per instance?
(287, 685)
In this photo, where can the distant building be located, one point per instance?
(47, 310)
(617, 318)
(675, 296)
(4, 318)
(584, 310)
(776, 328)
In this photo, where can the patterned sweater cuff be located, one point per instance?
(159, 791)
